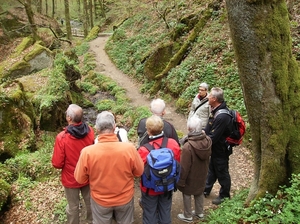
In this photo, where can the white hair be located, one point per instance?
(204, 85)
(105, 121)
(157, 107)
(194, 124)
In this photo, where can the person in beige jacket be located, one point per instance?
(203, 111)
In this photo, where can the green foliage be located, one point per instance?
(105, 105)
(33, 166)
(5, 189)
(281, 208)
(60, 210)
(93, 34)
(82, 48)
(135, 116)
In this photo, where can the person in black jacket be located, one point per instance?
(218, 128)
(157, 107)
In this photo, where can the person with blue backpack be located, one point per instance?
(194, 162)
(156, 199)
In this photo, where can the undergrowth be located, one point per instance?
(281, 208)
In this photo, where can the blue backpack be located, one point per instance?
(161, 171)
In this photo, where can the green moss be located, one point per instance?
(37, 50)
(26, 42)
(5, 189)
(93, 33)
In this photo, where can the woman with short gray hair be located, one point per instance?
(194, 163)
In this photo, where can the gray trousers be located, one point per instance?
(157, 209)
(73, 198)
(187, 204)
(123, 214)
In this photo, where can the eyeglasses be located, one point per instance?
(202, 89)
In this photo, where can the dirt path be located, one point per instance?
(106, 67)
(241, 167)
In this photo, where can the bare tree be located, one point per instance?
(30, 16)
(67, 19)
(53, 8)
(85, 18)
(270, 80)
(91, 13)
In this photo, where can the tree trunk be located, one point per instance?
(270, 81)
(46, 7)
(67, 20)
(53, 8)
(102, 8)
(78, 6)
(91, 13)
(85, 18)
(30, 16)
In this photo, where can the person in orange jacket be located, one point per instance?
(110, 167)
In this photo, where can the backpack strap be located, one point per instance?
(150, 147)
(203, 102)
(222, 111)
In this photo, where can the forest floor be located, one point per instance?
(48, 193)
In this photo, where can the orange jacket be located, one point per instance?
(110, 166)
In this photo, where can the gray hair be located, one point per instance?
(218, 93)
(204, 85)
(105, 121)
(194, 124)
(75, 113)
(157, 107)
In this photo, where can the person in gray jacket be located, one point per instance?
(202, 111)
(194, 167)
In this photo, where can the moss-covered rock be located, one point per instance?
(93, 33)
(17, 120)
(157, 61)
(5, 189)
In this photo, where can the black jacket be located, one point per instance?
(218, 129)
(169, 131)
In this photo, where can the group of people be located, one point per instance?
(103, 170)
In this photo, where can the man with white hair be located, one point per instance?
(110, 167)
(157, 107)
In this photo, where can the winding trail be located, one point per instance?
(106, 67)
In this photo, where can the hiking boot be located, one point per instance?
(199, 216)
(183, 218)
(217, 200)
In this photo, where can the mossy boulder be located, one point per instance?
(158, 59)
(17, 120)
(5, 189)
(93, 34)
(37, 58)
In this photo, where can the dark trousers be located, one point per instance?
(218, 170)
(157, 209)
